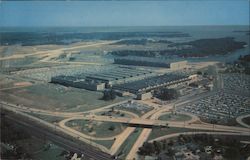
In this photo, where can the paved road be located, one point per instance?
(154, 122)
(239, 120)
(56, 113)
(54, 127)
(154, 115)
(179, 103)
(150, 118)
(54, 51)
(192, 133)
(69, 143)
(120, 139)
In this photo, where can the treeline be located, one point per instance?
(211, 46)
(43, 38)
(10, 134)
(108, 94)
(167, 94)
(245, 58)
(198, 48)
(140, 42)
(244, 62)
(230, 146)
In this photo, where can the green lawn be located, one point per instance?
(106, 143)
(97, 129)
(158, 132)
(114, 114)
(246, 120)
(56, 97)
(52, 153)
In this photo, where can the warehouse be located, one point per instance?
(152, 62)
(75, 81)
(151, 83)
(105, 79)
(120, 76)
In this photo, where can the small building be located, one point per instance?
(178, 65)
(144, 96)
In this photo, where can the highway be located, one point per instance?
(179, 103)
(193, 133)
(65, 141)
(53, 127)
(58, 114)
(149, 119)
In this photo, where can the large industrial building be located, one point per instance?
(149, 84)
(152, 62)
(104, 79)
(120, 76)
(78, 82)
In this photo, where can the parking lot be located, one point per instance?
(220, 107)
(237, 82)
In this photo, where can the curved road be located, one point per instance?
(239, 120)
(191, 133)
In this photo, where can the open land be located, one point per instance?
(111, 110)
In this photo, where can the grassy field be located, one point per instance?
(56, 97)
(27, 145)
(97, 129)
(246, 120)
(173, 117)
(113, 114)
(135, 108)
(108, 143)
(54, 152)
(158, 132)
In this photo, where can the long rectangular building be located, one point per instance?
(120, 76)
(149, 84)
(100, 80)
(152, 62)
(71, 81)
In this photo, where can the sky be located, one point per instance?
(124, 13)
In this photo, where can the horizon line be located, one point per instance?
(135, 26)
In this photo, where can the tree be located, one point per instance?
(164, 144)
(170, 152)
(231, 153)
(146, 149)
(199, 72)
(109, 95)
(168, 94)
(158, 146)
(112, 128)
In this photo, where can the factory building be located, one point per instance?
(148, 84)
(152, 62)
(120, 76)
(106, 79)
(77, 82)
